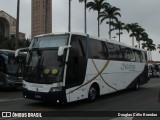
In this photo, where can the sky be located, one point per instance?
(144, 12)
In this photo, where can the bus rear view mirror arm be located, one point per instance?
(61, 52)
(18, 50)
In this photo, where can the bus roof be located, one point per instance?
(93, 37)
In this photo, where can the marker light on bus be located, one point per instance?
(55, 89)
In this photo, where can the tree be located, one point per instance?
(148, 44)
(111, 13)
(143, 37)
(132, 28)
(69, 17)
(118, 26)
(138, 34)
(85, 15)
(97, 5)
(9, 43)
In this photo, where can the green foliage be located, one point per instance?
(119, 26)
(97, 5)
(139, 33)
(9, 43)
(111, 13)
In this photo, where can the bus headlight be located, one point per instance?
(47, 71)
(55, 89)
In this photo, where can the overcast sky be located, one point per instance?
(144, 12)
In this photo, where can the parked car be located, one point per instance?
(153, 70)
(11, 69)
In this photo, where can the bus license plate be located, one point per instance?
(38, 96)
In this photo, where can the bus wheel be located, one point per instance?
(92, 94)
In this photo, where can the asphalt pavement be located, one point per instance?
(144, 99)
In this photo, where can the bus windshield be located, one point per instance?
(9, 65)
(42, 60)
(51, 41)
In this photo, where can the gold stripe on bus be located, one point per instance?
(100, 72)
(103, 78)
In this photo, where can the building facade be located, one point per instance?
(41, 17)
(8, 26)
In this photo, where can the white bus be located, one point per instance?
(62, 68)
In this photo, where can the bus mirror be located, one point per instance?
(19, 50)
(61, 52)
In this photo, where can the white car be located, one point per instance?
(153, 70)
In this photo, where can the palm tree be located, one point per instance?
(132, 28)
(111, 13)
(69, 21)
(143, 37)
(118, 26)
(149, 45)
(139, 31)
(97, 5)
(85, 15)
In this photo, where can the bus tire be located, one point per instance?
(92, 93)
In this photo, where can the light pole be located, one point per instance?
(46, 17)
(69, 24)
(17, 25)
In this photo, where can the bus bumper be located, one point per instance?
(58, 97)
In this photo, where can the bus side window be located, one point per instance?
(120, 53)
(97, 49)
(129, 55)
(133, 58)
(144, 57)
(105, 50)
(138, 55)
(125, 53)
(112, 51)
